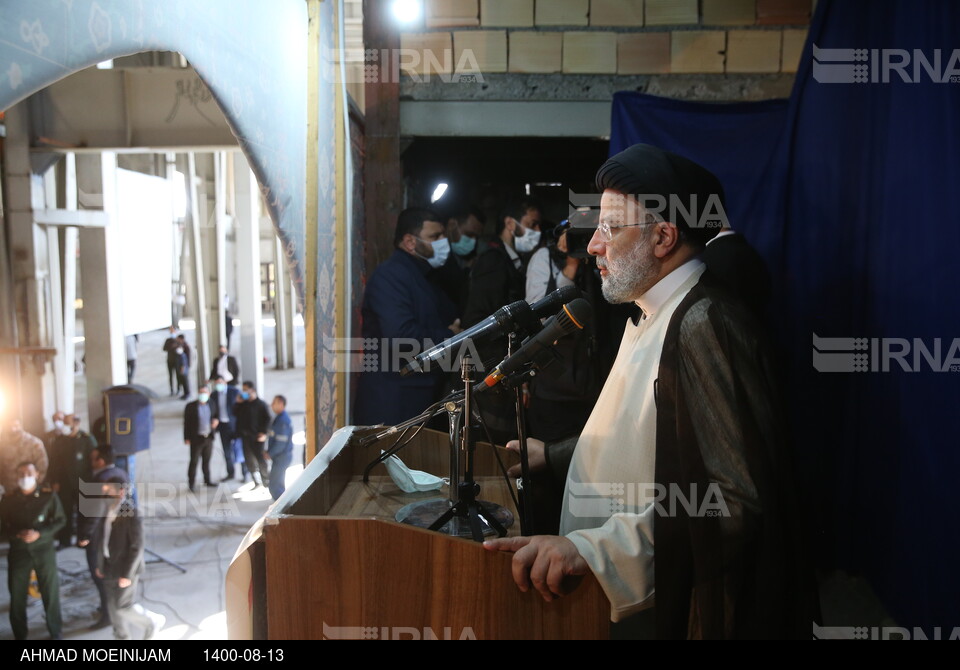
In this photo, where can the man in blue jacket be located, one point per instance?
(404, 312)
(279, 445)
(222, 403)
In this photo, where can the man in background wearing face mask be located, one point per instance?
(463, 231)
(223, 402)
(18, 446)
(497, 277)
(58, 426)
(402, 311)
(199, 422)
(69, 463)
(30, 517)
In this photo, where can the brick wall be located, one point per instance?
(611, 37)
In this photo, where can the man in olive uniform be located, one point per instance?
(31, 517)
(69, 463)
(17, 446)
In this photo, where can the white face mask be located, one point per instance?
(529, 241)
(441, 252)
(27, 483)
(58, 425)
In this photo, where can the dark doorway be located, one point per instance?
(487, 171)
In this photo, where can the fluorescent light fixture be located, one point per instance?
(438, 192)
(406, 11)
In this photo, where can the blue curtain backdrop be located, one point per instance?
(850, 192)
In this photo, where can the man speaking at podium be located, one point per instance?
(677, 496)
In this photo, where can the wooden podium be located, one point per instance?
(328, 561)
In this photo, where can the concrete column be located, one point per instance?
(247, 213)
(218, 245)
(29, 392)
(211, 250)
(105, 356)
(70, 245)
(197, 289)
(280, 312)
(56, 323)
(71, 239)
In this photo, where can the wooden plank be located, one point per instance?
(356, 578)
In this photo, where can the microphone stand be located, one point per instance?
(479, 516)
(524, 489)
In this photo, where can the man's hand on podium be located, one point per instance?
(549, 563)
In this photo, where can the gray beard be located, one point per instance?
(630, 277)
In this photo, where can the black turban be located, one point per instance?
(670, 185)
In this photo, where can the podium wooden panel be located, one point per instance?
(328, 561)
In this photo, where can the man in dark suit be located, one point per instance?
(198, 426)
(183, 366)
(223, 401)
(173, 360)
(403, 311)
(253, 421)
(120, 562)
(226, 366)
(92, 514)
(497, 278)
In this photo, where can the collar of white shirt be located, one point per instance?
(722, 233)
(654, 299)
(514, 256)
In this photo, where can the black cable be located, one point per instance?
(493, 445)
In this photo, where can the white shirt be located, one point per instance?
(538, 275)
(108, 528)
(514, 256)
(223, 369)
(608, 509)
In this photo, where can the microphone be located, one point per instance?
(574, 316)
(519, 314)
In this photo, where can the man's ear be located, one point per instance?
(667, 239)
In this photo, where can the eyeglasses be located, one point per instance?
(606, 230)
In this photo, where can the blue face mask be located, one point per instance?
(245, 395)
(220, 388)
(203, 397)
(465, 246)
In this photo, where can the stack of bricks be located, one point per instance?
(626, 37)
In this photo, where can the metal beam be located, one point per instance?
(505, 119)
(86, 218)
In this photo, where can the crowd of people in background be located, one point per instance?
(451, 271)
(42, 479)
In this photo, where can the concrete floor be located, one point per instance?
(198, 531)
